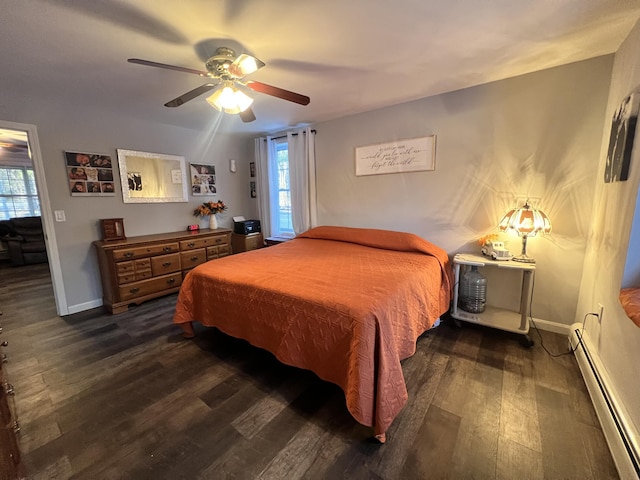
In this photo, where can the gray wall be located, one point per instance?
(80, 128)
(537, 135)
(615, 339)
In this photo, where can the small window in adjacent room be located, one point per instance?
(18, 193)
(282, 224)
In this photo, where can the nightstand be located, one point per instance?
(270, 241)
(503, 319)
(244, 243)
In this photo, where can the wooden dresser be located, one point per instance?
(141, 268)
(11, 466)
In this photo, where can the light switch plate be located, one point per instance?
(60, 217)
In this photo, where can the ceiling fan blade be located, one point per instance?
(196, 92)
(248, 115)
(168, 67)
(278, 92)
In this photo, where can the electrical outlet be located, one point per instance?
(600, 312)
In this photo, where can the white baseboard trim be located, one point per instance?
(620, 433)
(548, 326)
(81, 307)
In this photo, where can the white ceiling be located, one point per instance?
(349, 56)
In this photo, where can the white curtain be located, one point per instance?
(264, 150)
(302, 179)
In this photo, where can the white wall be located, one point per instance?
(64, 126)
(536, 135)
(616, 338)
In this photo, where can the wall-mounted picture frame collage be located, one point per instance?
(203, 179)
(89, 174)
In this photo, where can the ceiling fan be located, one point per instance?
(14, 147)
(230, 71)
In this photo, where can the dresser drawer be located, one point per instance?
(153, 285)
(131, 271)
(142, 274)
(143, 264)
(126, 278)
(212, 252)
(165, 264)
(123, 268)
(135, 252)
(193, 258)
(202, 242)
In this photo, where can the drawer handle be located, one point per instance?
(167, 249)
(171, 281)
(191, 244)
(4, 358)
(134, 290)
(128, 254)
(4, 344)
(218, 240)
(8, 389)
(16, 427)
(166, 264)
(194, 258)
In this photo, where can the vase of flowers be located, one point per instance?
(209, 209)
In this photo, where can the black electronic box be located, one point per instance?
(246, 227)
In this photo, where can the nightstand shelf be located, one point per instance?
(500, 318)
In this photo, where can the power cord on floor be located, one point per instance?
(571, 350)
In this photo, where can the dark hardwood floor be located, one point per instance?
(111, 397)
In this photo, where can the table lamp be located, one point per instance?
(527, 222)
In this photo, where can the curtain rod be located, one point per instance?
(284, 136)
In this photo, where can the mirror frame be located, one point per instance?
(125, 158)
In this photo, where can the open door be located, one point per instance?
(33, 147)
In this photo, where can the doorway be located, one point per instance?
(28, 133)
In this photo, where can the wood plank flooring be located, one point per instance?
(124, 396)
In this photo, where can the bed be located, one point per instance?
(346, 303)
(630, 301)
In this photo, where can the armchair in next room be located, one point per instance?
(25, 240)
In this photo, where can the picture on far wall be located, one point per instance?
(623, 129)
(252, 188)
(203, 179)
(398, 156)
(89, 174)
(252, 169)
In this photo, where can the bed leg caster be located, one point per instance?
(381, 437)
(187, 330)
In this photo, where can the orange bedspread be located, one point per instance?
(630, 301)
(345, 303)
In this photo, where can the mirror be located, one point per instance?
(152, 177)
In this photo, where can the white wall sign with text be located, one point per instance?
(411, 155)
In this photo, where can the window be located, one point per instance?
(282, 224)
(18, 193)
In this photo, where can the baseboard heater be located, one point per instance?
(620, 435)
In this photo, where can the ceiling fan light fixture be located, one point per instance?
(229, 100)
(245, 65)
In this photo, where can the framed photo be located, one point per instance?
(623, 130)
(252, 169)
(89, 174)
(203, 179)
(252, 188)
(152, 177)
(411, 155)
(112, 229)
